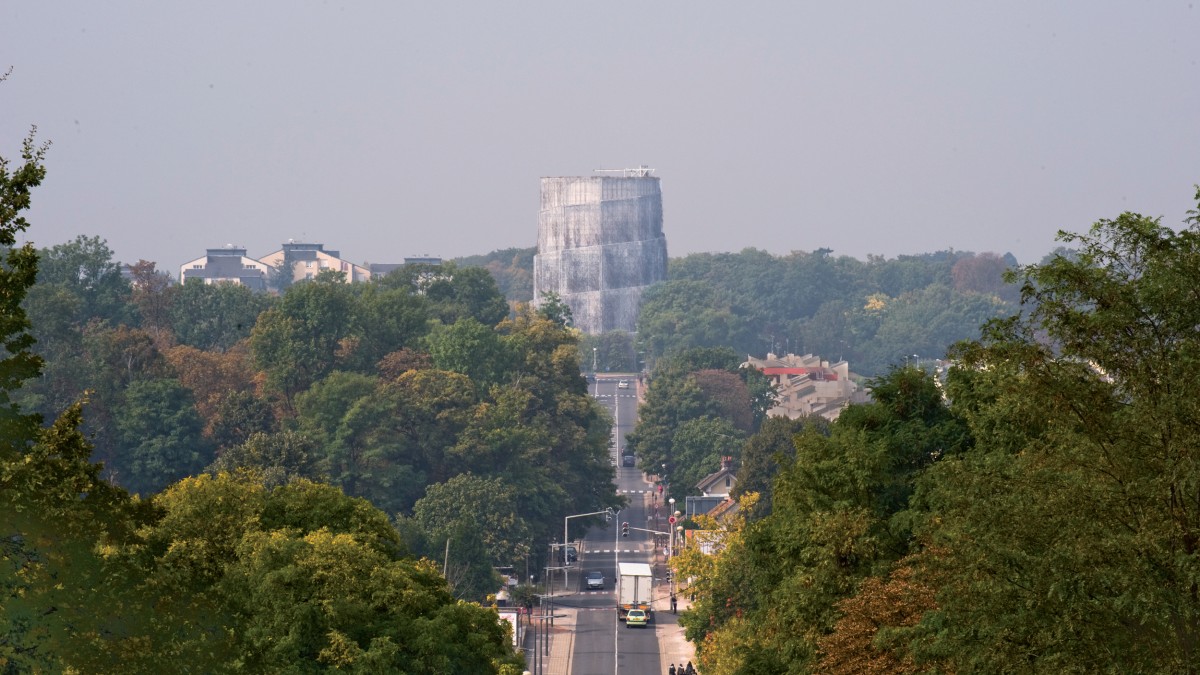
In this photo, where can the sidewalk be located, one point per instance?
(672, 646)
(562, 643)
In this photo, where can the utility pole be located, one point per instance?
(617, 565)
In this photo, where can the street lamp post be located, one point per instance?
(671, 507)
(606, 512)
(678, 536)
(674, 515)
(617, 571)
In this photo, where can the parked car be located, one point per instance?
(636, 617)
(570, 554)
(623, 384)
(594, 579)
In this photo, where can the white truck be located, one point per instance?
(635, 585)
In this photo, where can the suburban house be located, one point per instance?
(808, 385)
(716, 502)
(715, 491)
(309, 260)
(226, 265)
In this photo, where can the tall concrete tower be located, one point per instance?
(600, 242)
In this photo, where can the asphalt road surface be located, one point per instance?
(603, 644)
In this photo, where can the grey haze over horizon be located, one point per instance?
(386, 130)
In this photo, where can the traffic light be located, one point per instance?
(625, 529)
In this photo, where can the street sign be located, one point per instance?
(671, 520)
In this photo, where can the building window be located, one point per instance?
(726, 481)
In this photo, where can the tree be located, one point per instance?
(1071, 530)
(300, 577)
(385, 321)
(729, 396)
(720, 585)
(685, 313)
(690, 385)
(160, 436)
(296, 342)
(358, 448)
(85, 267)
(553, 308)
(322, 408)
(216, 574)
(57, 511)
(385, 441)
(66, 607)
(670, 401)
(698, 449)
(453, 292)
(401, 361)
(983, 273)
(512, 269)
(17, 274)
(614, 352)
(470, 348)
(276, 459)
(490, 505)
(822, 304)
(58, 347)
(864, 639)
(215, 317)
(153, 294)
(238, 416)
(475, 291)
(841, 512)
(213, 378)
(766, 452)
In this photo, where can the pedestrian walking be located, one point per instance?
(671, 670)
(689, 670)
(673, 603)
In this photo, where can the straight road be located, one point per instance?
(603, 644)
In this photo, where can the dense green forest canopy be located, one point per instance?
(1035, 511)
(873, 313)
(198, 478)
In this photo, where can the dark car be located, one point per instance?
(627, 460)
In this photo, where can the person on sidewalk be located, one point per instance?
(671, 670)
(689, 670)
(674, 602)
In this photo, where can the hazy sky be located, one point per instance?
(392, 129)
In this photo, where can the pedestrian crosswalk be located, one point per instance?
(634, 492)
(611, 550)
